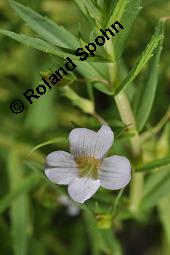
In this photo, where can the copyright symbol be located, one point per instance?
(17, 106)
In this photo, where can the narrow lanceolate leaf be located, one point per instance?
(88, 8)
(55, 140)
(129, 15)
(154, 165)
(42, 45)
(118, 12)
(19, 210)
(35, 43)
(124, 11)
(149, 89)
(46, 28)
(141, 63)
(52, 33)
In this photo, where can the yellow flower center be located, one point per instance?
(88, 166)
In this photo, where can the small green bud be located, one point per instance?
(84, 104)
(104, 221)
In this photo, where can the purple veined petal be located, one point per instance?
(60, 167)
(86, 142)
(81, 189)
(115, 172)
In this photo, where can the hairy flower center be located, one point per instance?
(88, 166)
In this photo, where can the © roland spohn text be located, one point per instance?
(55, 77)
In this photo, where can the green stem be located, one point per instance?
(128, 119)
(126, 114)
(116, 201)
(99, 118)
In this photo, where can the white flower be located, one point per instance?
(86, 168)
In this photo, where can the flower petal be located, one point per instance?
(81, 189)
(60, 167)
(85, 142)
(115, 172)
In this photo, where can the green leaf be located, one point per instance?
(53, 33)
(108, 9)
(88, 71)
(46, 28)
(103, 88)
(149, 90)
(54, 140)
(35, 43)
(124, 11)
(154, 165)
(123, 72)
(127, 19)
(25, 186)
(41, 45)
(154, 180)
(19, 210)
(95, 73)
(89, 11)
(156, 188)
(37, 167)
(88, 7)
(141, 63)
(118, 12)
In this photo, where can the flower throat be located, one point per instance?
(88, 166)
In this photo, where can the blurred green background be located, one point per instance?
(35, 217)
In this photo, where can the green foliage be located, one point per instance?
(26, 186)
(89, 10)
(149, 90)
(19, 209)
(46, 28)
(127, 19)
(154, 164)
(142, 61)
(156, 187)
(55, 140)
(35, 43)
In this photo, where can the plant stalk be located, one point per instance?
(126, 114)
